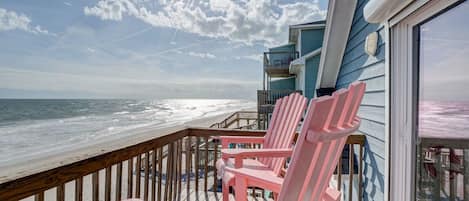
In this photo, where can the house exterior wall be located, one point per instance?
(300, 80)
(311, 72)
(357, 65)
(283, 84)
(311, 39)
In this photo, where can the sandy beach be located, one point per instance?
(49, 160)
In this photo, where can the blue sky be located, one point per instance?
(141, 48)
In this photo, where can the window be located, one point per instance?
(443, 105)
(429, 91)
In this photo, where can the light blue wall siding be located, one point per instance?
(357, 65)
(311, 40)
(282, 84)
(311, 72)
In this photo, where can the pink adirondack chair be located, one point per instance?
(328, 123)
(280, 135)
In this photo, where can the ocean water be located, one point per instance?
(35, 126)
(444, 119)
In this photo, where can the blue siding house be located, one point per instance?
(301, 72)
(380, 43)
(344, 61)
(357, 65)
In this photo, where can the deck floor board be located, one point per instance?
(212, 196)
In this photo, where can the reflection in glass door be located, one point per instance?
(443, 105)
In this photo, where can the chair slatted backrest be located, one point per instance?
(282, 127)
(328, 123)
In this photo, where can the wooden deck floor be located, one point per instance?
(212, 196)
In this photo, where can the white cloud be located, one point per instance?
(202, 55)
(254, 57)
(10, 20)
(91, 50)
(248, 22)
(105, 86)
(68, 3)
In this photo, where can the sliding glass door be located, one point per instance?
(441, 81)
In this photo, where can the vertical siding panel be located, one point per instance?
(357, 65)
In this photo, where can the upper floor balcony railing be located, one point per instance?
(277, 64)
(174, 164)
(266, 101)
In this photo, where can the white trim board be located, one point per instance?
(387, 109)
(338, 24)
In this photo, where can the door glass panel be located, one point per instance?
(443, 112)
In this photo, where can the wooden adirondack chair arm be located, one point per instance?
(240, 154)
(271, 181)
(227, 140)
(252, 153)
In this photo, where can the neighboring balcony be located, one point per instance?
(276, 64)
(266, 101)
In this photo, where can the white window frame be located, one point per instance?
(403, 141)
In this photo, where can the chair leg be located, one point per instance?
(241, 189)
(226, 191)
(275, 196)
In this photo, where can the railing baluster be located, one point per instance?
(439, 172)
(138, 168)
(168, 176)
(339, 174)
(153, 175)
(188, 165)
(350, 169)
(39, 196)
(130, 172)
(107, 185)
(171, 172)
(160, 171)
(215, 158)
(95, 185)
(196, 163)
(61, 192)
(79, 189)
(466, 174)
(360, 174)
(174, 170)
(145, 184)
(118, 181)
(452, 180)
(180, 169)
(206, 166)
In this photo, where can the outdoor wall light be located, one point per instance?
(371, 43)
